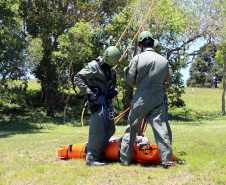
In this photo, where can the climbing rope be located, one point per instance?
(143, 127)
(121, 115)
(82, 117)
(128, 25)
(136, 34)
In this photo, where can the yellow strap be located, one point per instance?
(136, 34)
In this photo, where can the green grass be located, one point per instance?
(28, 153)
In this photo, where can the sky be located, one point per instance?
(195, 46)
(185, 73)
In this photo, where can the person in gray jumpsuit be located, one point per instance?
(147, 72)
(98, 81)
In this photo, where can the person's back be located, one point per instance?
(147, 71)
(151, 67)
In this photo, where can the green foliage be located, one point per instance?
(75, 45)
(12, 43)
(221, 85)
(174, 94)
(35, 51)
(204, 71)
(221, 57)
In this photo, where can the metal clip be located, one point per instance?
(111, 114)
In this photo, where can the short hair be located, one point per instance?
(148, 42)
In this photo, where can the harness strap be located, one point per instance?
(119, 148)
(69, 148)
(109, 109)
(81, 150)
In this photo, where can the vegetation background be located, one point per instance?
(29, 143)
(53, 40)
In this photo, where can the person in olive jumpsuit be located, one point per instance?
(98, 81)
(147, 72)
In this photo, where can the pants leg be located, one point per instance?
(96, 130)
(110, 130)
(96, 144)
(157, 120)
(128, 140)
(167, 123)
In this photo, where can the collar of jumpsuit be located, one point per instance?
(148, 49)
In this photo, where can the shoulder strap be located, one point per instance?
(104, 67)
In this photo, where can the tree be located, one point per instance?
(203, 72)
(48, 20)
(221, 61)
(74, 46)
(12, 44)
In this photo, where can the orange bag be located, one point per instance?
(112, 152)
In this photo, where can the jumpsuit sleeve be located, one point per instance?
(83, 76)
(114, 80)
(131, 72)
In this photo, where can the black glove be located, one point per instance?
(111, 93)
(91, 97)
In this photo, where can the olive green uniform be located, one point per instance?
(90, 77)
(147, 71)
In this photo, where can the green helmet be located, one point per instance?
(157, 47)
(156, 43)
(111, 55)
(143, 35)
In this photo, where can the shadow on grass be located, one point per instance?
(186, 116)
(17, 126)
(14, 120)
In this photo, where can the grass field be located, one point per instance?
(29, 148)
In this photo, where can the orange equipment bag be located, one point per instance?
(112, 152)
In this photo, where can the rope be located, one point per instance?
(127, 25)
(142, 128)
(82, 118)
(136, 34)
(122, 115)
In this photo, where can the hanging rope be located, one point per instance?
(127, 25)
(82, 117)
(136, 34)
(122, 115)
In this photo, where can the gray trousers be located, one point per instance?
(161, 130)
(96, 148)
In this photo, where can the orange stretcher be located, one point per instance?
(112, 152)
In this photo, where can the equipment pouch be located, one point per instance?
(91, 97)
(95, 107)
(111, 93)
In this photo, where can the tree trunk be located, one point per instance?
(50, 103)
(52, 89)
(223, 98)
(69, 90)
(224, 89)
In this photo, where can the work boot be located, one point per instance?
(125, 163)
(168, 164)
(95, 163)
